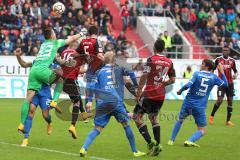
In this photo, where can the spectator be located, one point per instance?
(139, 66)
(2, 36)
(202, 14)
(12, 36)
(188, 73)
(80, 17)
(19, 44)
(16, 8)
(133, 16)
(131, 50)
(45, 11)
(185, 20)
(27, 49)
(125, 16)
(77, 4)
(39, 36)
(231, 15)
(177, 40)
(235, 34)
(168, 44)
(7, 45)
(26, 10)
(5, 52)
(35, 11)
(70, 20)
(213, 14)
(192, 18)
(221, 14)
(121, 37)
(33, 51)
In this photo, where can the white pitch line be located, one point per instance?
(53, 151)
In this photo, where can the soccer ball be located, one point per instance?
(58, 8)
(84, 32)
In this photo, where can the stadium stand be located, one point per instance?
(216, 23)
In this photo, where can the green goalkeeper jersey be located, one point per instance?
(47, 53)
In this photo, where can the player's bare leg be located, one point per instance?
(142, 127)
(196, 136)
(28, 124)
(157, 148)
(229, 111)
(131, 139)
(215, 108)
(46, 115)
(25, 109)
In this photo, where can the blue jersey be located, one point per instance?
(110, 84)
(200, 86)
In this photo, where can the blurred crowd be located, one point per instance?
(215, 22)
(23, 21)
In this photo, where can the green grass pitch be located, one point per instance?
(221, 142)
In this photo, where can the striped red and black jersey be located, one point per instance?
(91, 47)
(229, 65)
(69, 71)
(158, 68)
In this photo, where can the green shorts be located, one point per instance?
(39, 76)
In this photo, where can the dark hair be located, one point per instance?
(210, 64)
(47, 32)
(92, 30)
(159, 45)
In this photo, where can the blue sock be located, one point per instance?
(130, 137)
(91, 136)
(27, 126)
(196, 136)
(176, 129)
(48, 119)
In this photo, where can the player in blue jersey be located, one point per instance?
(196, 100)
(42, 99)
(109, 91)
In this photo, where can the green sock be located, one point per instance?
(24, 111)
(57, 91)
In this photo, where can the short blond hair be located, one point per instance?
(109, 57)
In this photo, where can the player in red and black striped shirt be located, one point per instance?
(151, 98)
(229, 65)
(71, 68)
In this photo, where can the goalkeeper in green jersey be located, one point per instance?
(41, 73)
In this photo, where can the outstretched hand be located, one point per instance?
(18, 52)
(179, 92)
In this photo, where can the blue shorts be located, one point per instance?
(42, 101)
(198, 114)
(104, 113)
(90, 86)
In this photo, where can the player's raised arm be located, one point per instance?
(73, 38)
(234, 68)
(172, 77)
(189, 84)
(224, 81)
(131, 86)
(18, 53)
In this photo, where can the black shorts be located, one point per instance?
(72, 88)
(229, 91)
(148, 106)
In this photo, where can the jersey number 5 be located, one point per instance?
(204, 85)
